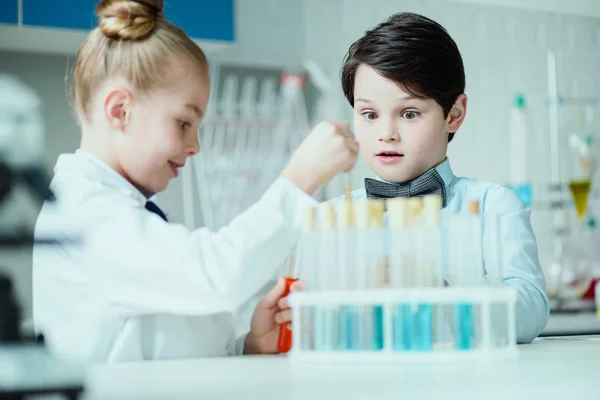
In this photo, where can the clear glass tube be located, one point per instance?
(519, 131)
(403, 259)
(378, 272)
(347, 251)
(325, 337)
(465, 268)
(347, 314)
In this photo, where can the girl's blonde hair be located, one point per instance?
(133, 41)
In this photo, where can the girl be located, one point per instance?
(139, 287)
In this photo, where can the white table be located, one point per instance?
(550, 368)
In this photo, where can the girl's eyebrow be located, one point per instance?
(196, 110)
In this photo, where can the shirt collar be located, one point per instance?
(100, 170)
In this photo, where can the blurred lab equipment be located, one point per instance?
(573, 163)
(566, 118)
(597, 293)
(21, 145)
(26, 368)
(250, 130)
(519, 181)
(581, 170)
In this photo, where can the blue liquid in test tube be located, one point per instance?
(377, 324)
(424, 323)
(413, 328)
(463, 326)
(408, 331)
(348, 323)
(403, 331)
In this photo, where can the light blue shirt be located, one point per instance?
(521, 266)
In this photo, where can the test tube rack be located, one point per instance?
(423, 297)
(494, 333)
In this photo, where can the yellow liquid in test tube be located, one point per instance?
(580, 190)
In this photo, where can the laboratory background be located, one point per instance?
(533, 121)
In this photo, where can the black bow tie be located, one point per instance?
(430, 183)
(153, 208)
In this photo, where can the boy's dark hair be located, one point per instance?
(413, 51)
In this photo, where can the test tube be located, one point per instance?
(324, 316)
(378, 267)
(360, 335)
(308, 251)
(346, 247)
(403, 259)
(428, 268)
(309, 264)
(414, 274)
(399, 256)
(466, 268)
(432, 207)
(433, 225)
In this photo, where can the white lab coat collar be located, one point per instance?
(89, 164)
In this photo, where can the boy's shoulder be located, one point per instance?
(492, 196)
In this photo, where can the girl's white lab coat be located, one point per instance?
(140, 288)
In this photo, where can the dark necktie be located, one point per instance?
(153, 208)
(430, 183)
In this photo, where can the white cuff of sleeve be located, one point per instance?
(296, 201)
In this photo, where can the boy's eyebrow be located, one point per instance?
(403, 98)
(198, 111)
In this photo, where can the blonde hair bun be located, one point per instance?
(128, 19)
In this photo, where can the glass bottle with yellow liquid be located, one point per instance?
(582, 167)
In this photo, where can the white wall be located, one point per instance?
(578, 7)
(268, 32)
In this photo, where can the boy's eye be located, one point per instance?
(370, 115)
(410, 115)
(184, 124)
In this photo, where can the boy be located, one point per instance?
(405, 81)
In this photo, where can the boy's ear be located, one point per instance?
(457, 114)
(117, 107)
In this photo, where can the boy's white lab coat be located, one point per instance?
(140, 288)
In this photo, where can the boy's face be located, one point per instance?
(400, 136)
(163, 129)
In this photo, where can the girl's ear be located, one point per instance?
(117, 108)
